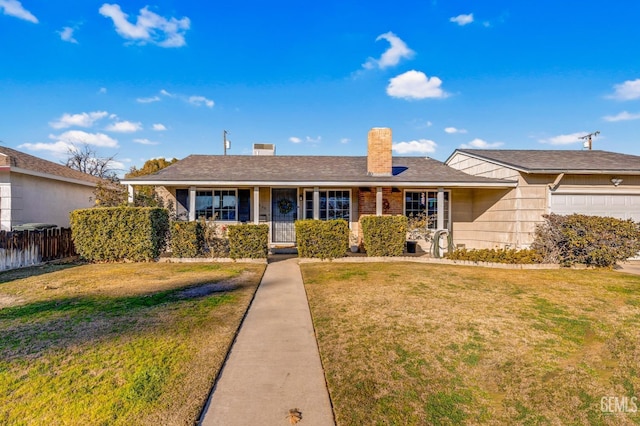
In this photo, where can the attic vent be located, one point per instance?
(264, 149)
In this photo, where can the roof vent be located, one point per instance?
(264, 149)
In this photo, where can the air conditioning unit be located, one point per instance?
(264, 149)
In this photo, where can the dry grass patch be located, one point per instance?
(117, 343)
(406, 343)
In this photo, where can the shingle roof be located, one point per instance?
(17, 159)
(307, 169)
(559, 161)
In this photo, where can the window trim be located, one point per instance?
(304, 201)
(436, 190)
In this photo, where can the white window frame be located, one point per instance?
(213, 194)
(438, 207)
(317, 208)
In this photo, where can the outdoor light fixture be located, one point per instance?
(616, 181)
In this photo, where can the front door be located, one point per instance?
(284, 212)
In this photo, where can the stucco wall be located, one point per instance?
(36, 199)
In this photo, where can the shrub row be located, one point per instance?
(589, 240)
(322, 239)
(512, 256)
(248, 241)
(384, 235)
(119, 233)
(195, 239)
(187, 239)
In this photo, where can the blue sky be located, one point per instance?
(145, 79)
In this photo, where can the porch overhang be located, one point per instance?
(337, 183)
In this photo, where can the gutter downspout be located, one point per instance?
(556, 183)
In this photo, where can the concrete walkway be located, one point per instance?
(274, 364)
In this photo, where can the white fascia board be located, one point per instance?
(52, 177)
(600, 190)
(202, 183)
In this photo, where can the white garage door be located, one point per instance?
(619, 205)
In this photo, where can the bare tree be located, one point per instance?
(86, 160)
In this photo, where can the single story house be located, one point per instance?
(33, 190)
(480, 209)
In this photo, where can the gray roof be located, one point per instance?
(559, 161)
(28, 163)
(321, 170)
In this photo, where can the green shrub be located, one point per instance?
(248, 241)
(216, 239)
(187, 239)
(118, 233)
(512, 256)
(322, 239)
(384, 235)
(589, 240)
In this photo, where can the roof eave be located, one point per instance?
(404, 184)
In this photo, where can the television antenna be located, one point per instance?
(225, 141)
(587, 139)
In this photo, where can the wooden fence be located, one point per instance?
(28, 248)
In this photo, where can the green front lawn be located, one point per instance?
(117, 344)
(414, 344)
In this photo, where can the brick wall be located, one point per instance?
(392, 206)
(379, 162)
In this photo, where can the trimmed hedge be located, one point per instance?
(187, 239)
(117, 233)
(322, 239)
(248, 241)
(511, 256)
(589, 240)
(384, 235)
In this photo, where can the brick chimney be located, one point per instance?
(379, 161)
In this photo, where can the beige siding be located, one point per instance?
(34, 199)
(476, 167)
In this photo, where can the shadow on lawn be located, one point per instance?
(45, 325)
(34, 271)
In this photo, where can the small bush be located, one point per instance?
(322, 239)
(118, 233)
(187, 239)
(512, 256)
(588, 240)
(248, 241)
(384, 235)
(216, 240)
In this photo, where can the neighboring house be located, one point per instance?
(281, 189)
(33, 190)
(589, 182)
(485, 198)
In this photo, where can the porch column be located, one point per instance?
(131, 193)
(256, 204)
(316, 203)
(379, 201)
(440, 222)
(192, 203)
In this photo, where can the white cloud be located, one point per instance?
(149, 27)
(420, 146)
(392, 56)
(148, 100)
(294, 139)
(84, 119)
(623, 116)
(345, 140)
(78, 136)
(452, 130)
(159, 127)
(124, 127)
(146, 142)
(58, 149)
(313, 140)
(165, 93)
(15, 8)
(415, 85)
(67, 35)
(481, 144)
(200, 100)
(627, 91)
(564, 139)
(462, 19)
(102, 91)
